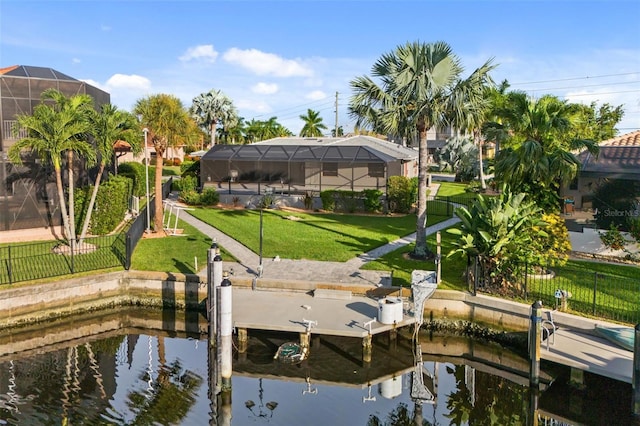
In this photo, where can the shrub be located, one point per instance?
(176, 161)
(136, 172)
(401, 194)
(372, 201)
(190, 168)
(209, 197)
(328, 200)
(112, 203)
(187, 183)
(613, 238)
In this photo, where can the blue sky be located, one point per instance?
(279, 58)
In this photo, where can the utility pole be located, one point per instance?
(336, 131)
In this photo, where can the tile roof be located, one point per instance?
(618, 156)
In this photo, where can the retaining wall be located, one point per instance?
(34, 303)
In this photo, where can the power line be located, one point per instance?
(575, 78)
(582, 87)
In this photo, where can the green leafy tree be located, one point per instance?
(539, 156)
(212, 109)
(262, 130)
(57, 128)
(107, 127)
(498, 231)
(168, 124)
(418, 90)
(597, 123)
(313, 125)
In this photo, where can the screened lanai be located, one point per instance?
(303, 166)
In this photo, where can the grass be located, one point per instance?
(175, 253)
(323, 237)
(397, 261)
(452, 189)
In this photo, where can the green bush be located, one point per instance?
(209, 197)
(112, 203)
(187, 183)
(401, 194)
(190, 168)
(328, 200)
(136, 172)
(372, 203)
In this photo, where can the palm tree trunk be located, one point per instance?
(61, 200)
(157, 219)
(483, 184)
(213, 134)
(421, 249)
(94, 194)
(72, 209)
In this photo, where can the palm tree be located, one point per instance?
(313, 124)
(168, 125)
(418, 81)
(470, 103)
(58, 127)
(540, 152)
(213, 108)
(108, 126)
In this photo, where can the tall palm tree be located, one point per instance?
(58, 127)
(313, 124)
(107, 127)
(540, 150)
(168, 125)
(417, 82)
(470, 104)
(213, 108)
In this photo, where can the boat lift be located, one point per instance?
(171, 207)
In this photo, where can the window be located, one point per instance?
(329, 169)
(376, 170)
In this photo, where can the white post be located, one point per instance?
(146, 173)
(226, 329)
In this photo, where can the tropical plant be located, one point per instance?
(211, 109)
(471, 106)
(167, 123)
(419, 90)
(107, 127)
(313, 125)
(539, 154)
(461, 156)
(498, 231)
(57, 128)
(262, 130)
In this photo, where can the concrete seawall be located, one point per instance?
(36, 303)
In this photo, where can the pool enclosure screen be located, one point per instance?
(300, 167)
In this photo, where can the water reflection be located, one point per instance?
(140, 374)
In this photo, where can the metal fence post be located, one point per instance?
(72, 248)
(526, 280)
(128, 252)
(595, 290)
(9, 269)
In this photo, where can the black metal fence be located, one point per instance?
(444, 206)
(38, 260)
(602, 295)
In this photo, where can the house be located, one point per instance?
(28, 195)
(311, 164)
(619, 158)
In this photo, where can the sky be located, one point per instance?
(281, 58)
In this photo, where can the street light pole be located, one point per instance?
(146, 173)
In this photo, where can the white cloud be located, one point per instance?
(265, 88)
(105, 27)
(130, 82)
(259, 107)
(76, 60)
(316, 95)
(204, 52)
(262, 63)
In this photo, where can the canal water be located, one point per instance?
(143, 367)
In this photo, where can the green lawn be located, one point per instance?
(397, 261)
(175, 253)
(324, 237)
(452, 189)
